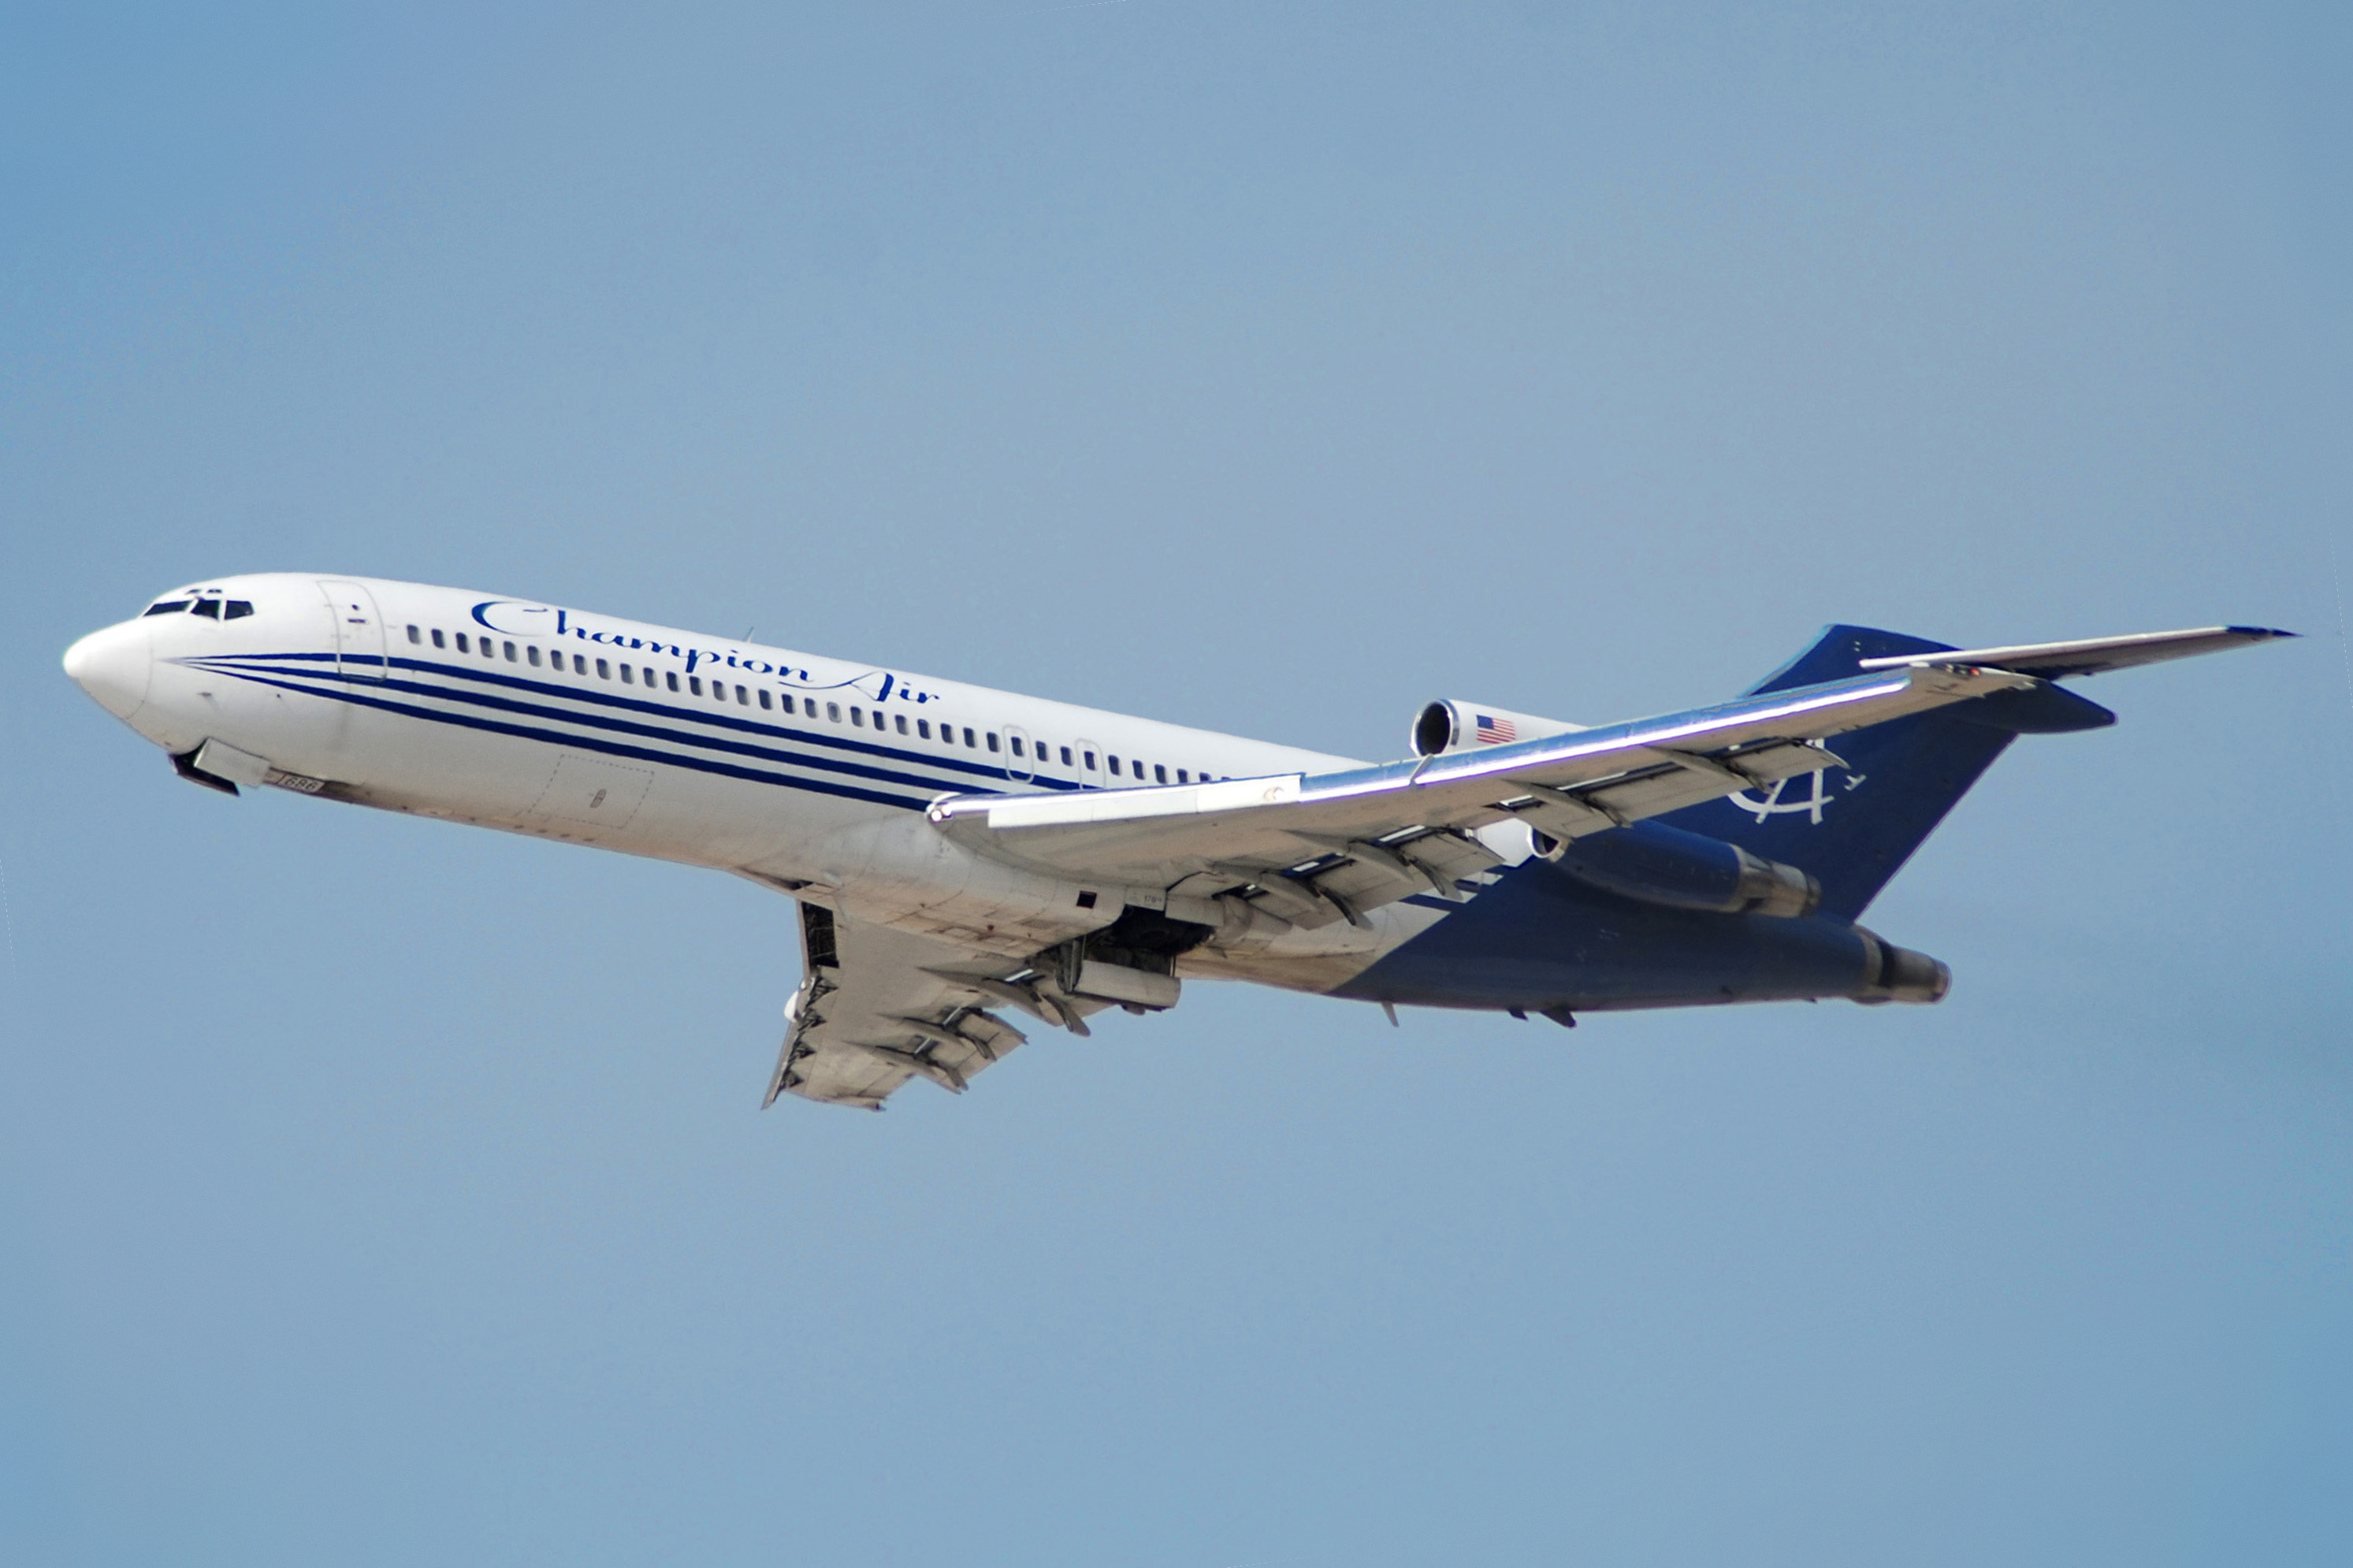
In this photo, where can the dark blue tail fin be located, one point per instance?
(1854, 828)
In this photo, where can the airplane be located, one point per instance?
(958, 853)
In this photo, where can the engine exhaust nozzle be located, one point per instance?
(1899, 974)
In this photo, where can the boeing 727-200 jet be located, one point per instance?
(955, 850)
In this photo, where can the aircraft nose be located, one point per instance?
(112, 666)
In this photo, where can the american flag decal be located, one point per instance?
(1495, 731)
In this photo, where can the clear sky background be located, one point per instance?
(379, 1192)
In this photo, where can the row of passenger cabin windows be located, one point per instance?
(630, 675)
(669, 680)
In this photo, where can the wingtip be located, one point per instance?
(2263, 634)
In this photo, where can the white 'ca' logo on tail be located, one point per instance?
(1773, 805)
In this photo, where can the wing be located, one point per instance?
(1311, 850)
(2094, 655)
(877, 1006)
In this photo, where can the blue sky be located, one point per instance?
(376, 1191)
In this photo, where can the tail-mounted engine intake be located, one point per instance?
(1466, 726)
(1662, 865)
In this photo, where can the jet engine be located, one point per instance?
(1662, 865)
(1452, 726)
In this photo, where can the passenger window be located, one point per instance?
(534, 651)
(579, 663)
(168, 608)
(901, 720)
(487, 650)
(508, 648)
(603, 671)
(463, 646)
(436, 639)
(969, 737)
(238, 609)
(1180, 776)
(1159, 773)
(694, 684)
(1015, 741)
(1114, 766)
(787, 700)
(923, 728)
(414, 635)
(833, 711)
(671, 679)
(626, 679)
(1091, 761)
(743, 697)
(992, 740)
(764, 700)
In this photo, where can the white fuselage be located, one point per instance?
(806, 773)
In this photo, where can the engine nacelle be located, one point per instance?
(1662, 865)
(1452, 726)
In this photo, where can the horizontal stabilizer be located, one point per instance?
(2094, 655)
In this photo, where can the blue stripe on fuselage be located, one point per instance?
(340, 685)
(350, 693)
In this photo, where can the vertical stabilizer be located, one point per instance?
(1854, 828)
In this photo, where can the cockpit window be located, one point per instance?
(236, 608)
(168, 608)
(210, 607)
